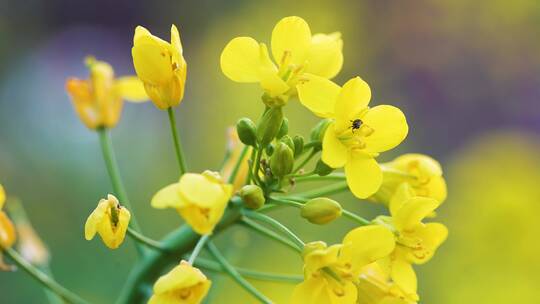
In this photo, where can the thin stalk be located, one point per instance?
(177, 143)
(43, 279)
(257, 166)
(269, 233)
(275, 224)
(323, 191)
(238, 164)
(317, 178)
(116, 179)
(305, 161)
(198, 248)
(150, 243)
(235, 274)
(250, 173)
(249, 273)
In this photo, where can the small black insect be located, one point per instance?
(355, 124)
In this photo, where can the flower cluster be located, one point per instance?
(263, 164)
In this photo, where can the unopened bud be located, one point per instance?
(317, 133)
(252, 196)
(284, 128)
(323, 169)
(282, 161)
(269, 125)
(321, 210)
(270, 149)
(246, 131)
(298, 145)
(288, 141)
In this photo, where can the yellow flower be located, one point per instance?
(161, 66)
(234, 148)
(357, 133)
(416, 242)
(331, 273)
(416, 173)
(200, 199)
(184, 284)
(376, 287)
(98, 100)
(295, 51)
(8, 235)
(110, 220)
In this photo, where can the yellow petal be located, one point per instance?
(94, 219)
(365, 245)
(312, 290)
(183, 284)
(168, 197)
(176, 43)
(268, 74)
(291, 34)
(131, 89)
(240, 60)
(318, 95)
(364, 176)
(352, 100)
(404, 276)
(389, 125)
(325, 56)
(403, 192)
(436, 188)
(200, 190)
(152, 61)
(413, 211)
(334, 152)
(140, 31)
(432, 236)
(8, 234)
(2, 196)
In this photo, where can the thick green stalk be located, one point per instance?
(235, 275)
(43, 278)
(177, 143)
(249, 273)
(116, 180)
(177, 243)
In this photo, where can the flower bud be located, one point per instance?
(282, 161)
(321, 210)
(323, 169)
(252, 196)
(284, 128)
(298, 145)
(288, 141)
(269, 125)
(317, 133)
(270, 149)
(246, 131)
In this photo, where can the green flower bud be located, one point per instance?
(298, 145)
(288, 141)
(252, 196)
(282, 161)
(321, 210)
(323, 169)
(317, 133)
(269, 125)
(284, 128)
(270, 149)
(246, 131)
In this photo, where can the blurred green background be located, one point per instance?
(466, 74)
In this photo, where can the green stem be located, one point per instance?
(257, 167)
(269, 233)
(305, 161)
(317, 178)
(177, 143)
(274, 223)
(238, 164)
(43, 279)
(291, 202)
(116, 180)
(177, 243)
(250, 173)
(324, 191)
(145, 240)
(198, 248)
(235, 275)
(249, 273)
